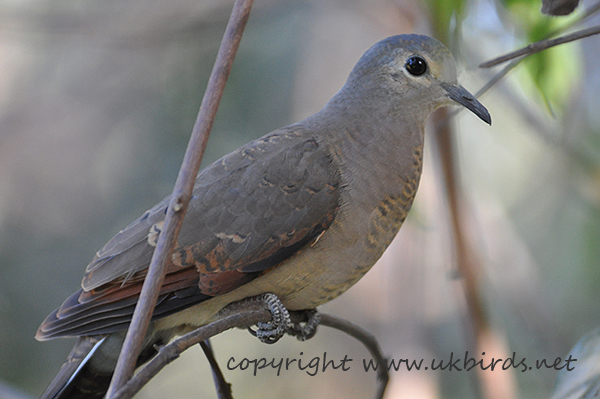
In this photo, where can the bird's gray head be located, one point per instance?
(412, 74)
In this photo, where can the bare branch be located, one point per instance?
(588, 12)
(181, 195)
(498, 76)
(542, 45)
(369, 341)
(222, 386)
(239, 314)
(244, 314)
(492, 82)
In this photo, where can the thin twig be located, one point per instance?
(492, 82)
(466, 261)
(588, 12)
(240, 314)
(369, 341)
(222, 386)
(243, 314)
(498, 76)
(542, 45)
(181, 195)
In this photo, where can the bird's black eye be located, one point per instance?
(416, 65)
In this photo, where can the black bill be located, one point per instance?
(466, 99)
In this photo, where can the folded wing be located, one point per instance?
(250, 210)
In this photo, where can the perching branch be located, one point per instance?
(222, 386)
(239, 314)
(369, 341)
(243, 314)
(181, 195)
(542, 45)
(515, 54)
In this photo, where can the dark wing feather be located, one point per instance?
(126, 253)
(250, 210)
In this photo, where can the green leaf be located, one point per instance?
(551, 73)
(443, 12)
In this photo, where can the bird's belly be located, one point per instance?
(323, 270)
(342, 257)
(317, 274)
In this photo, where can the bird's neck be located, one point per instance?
(375, 139)
(379, 157)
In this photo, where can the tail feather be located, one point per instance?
(89, 368)
(76, 379)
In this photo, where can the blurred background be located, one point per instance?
(97, 100)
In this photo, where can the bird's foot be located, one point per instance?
(271, 331)
(305, 327)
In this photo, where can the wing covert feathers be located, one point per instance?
(250, 211)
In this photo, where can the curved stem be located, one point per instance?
(181, 196)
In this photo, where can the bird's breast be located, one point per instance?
(370, 217)
(392, 208)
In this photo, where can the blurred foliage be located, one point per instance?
(552, 70)
(95, 111)
(548, 72)
(445, 16)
